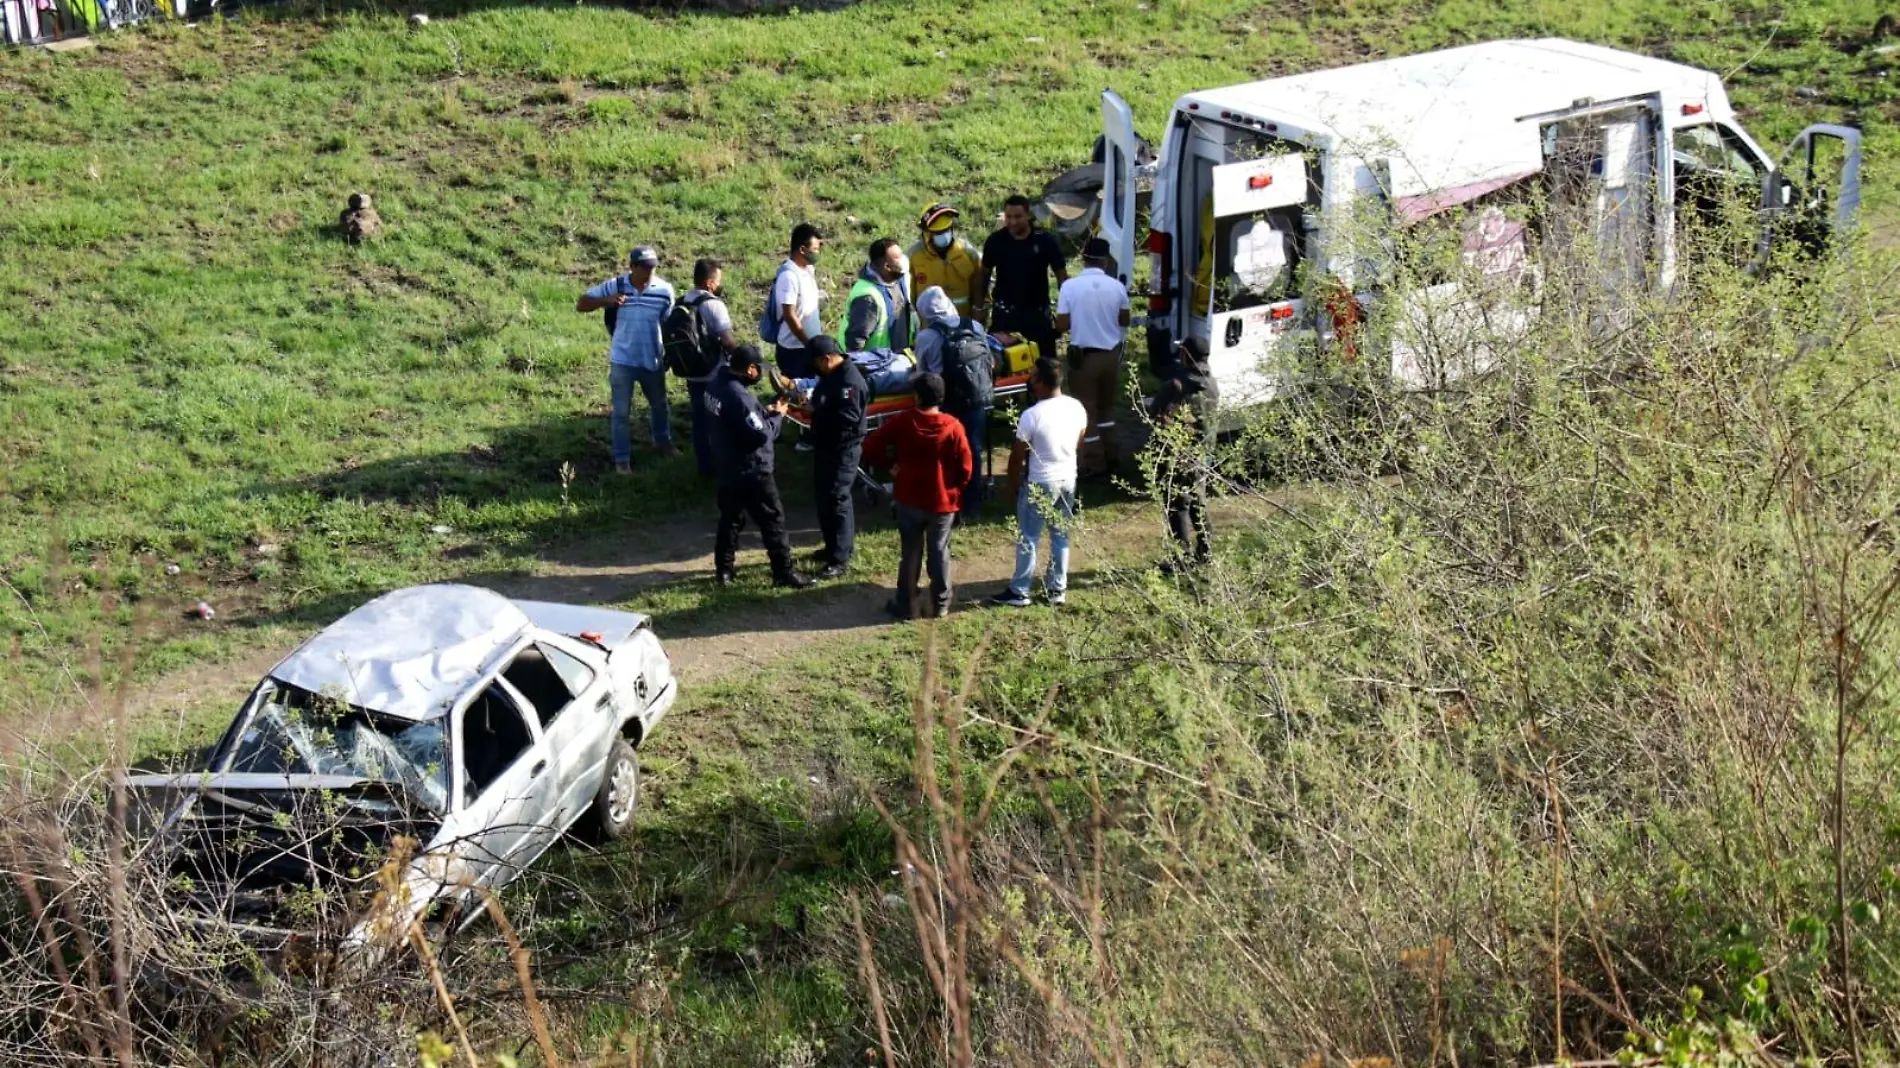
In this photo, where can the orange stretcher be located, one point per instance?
(1008, 389)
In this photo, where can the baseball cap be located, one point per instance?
(824, 345)
(745, 356)
(1096, 249)
(643, 256)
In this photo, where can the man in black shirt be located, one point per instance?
(837, 437)
(1018, 262)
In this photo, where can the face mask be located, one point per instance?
(942, 241)
(901, 269)
(811, 255)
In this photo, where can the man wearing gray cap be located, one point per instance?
(637, 302)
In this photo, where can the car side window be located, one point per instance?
(494, 735)
(544, 680)
(577, 675)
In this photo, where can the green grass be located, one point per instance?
(192, 368)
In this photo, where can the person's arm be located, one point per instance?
(980, 297)
(785, 292)
(1057, 264)
(601, 296)
(746, 423)
(1018, 467)
(1063, 319)
(718, 320)
(860, 320)
(1127, 311)
(962, 460)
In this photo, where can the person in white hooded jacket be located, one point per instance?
(939, 317)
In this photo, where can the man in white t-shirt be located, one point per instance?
(795, 295)
(1048, 437)
(1093, 309)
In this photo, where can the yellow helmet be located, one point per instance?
(937, 218)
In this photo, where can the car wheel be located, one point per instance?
(619, 793)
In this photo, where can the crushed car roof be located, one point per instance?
(409, 653)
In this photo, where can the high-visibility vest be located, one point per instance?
(880, 334)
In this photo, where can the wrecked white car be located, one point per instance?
(420, 751)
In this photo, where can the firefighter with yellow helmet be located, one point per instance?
(942, 258)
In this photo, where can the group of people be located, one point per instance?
(919, 321)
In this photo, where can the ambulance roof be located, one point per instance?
(1451, 117)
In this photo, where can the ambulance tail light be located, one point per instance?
(1161, 246)
(1283, 312)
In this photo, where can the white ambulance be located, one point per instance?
(1253, 181)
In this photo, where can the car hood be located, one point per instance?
(289, 852)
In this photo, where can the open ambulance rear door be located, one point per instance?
(1117, 224)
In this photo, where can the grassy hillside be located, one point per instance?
(1571, 738)
(194, 372)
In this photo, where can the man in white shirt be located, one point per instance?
(1093, 309)
(795, 295)
(715, 328)
(1048, 437)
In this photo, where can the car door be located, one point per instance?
(572, 696)
(1814, 194)
(503, 779)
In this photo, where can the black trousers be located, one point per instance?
(1033, 323)
(755, 496)
(834, 471)
(925, 540)
(1186, 489)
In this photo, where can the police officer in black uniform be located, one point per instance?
(744, 432)
(837, 436)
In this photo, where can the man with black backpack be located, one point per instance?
(958, 349)
(635, 303)
(698, 334)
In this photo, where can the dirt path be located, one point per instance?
(616, 570)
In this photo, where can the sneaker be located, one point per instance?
(1011, 599)
(1058, 598)
(623, 469)
(942, 612)
(833, 571)
(723, 579)
(896, 611)
(802, 446)
(791, 581)
(667, 448)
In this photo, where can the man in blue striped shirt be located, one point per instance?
(641, 300)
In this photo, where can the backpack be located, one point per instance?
(969, 368)
(610, 315)
(683, 338)
(769, 314)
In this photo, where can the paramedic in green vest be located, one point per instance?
(877, 313)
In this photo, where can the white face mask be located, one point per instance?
(942, 241)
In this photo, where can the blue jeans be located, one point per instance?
(1043, 506)
(652, 382)
(702, 424)
(976, 427)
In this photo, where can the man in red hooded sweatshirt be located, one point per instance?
(931, 461)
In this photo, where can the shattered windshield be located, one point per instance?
(296, 732)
